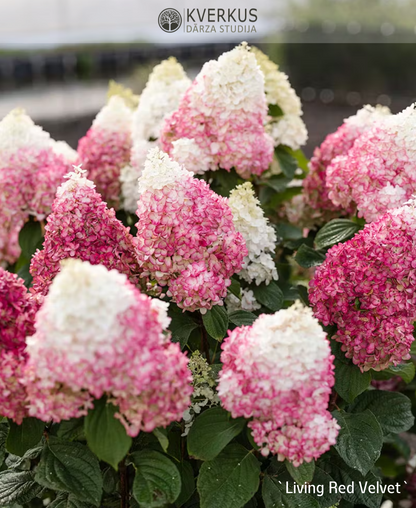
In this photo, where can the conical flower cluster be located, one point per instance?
(279, 372)
(336, 144)
(162, 94)
(96, 335)
(186, 239)
(81, 226)
(288, 127)
(367, 287)
(32, 166)
(260, 237)
(164, 90)
(222, 115)
(105, 149)
(378, 172)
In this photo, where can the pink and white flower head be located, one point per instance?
(260, 237)
(32, 166)
(165, 88)
(367, 287)
(17, 316)
(288, 129)
(96, 335)
(338, 144)
(223, 113)
(378, 173)
(106, 148)
(186, 239)
(279, 372)
(81, 226)
(161, 96)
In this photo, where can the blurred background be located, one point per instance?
(57, 56)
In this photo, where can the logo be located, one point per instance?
(170, 20)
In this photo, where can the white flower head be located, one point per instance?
(289, 130)
(160, 171)
(260, 237)
(166, 85)
(115, 116)
(17, 130)
(276, 341)
(234, 81)
(277, 86)
(80, 313)
(367, 115)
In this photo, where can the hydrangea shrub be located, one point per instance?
(195, 316)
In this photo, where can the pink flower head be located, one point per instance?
(337, 143)
(367, 287)
(96, 335)
(221, 118)
(186, 238)
(378, 172)
(17, 315)
(32, 166)
(279, 372)
(106, 148)
(81, 226)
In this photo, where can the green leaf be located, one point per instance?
(393, 410)
(25, 436)
(23, 463)
(181, 325)
(278, 183)
(162, 437)
(275, 110)
(223, 181)
(242, 318)
(106, 436)
(24, 271)
(405, 370)
(303, 473)
(188, 482)
(344, 475)
(278, 490)
(349, 380)
(270, 295)
(17, 487)
(68, 501)
(72, 430)
(235, 288)
(230, 480)
(211, 432)
(303, 294)
(30, 237)
(308, 257)
(287, 162)
(360, 439)
(216, 322)
(301, 160)
(289, 232)
(325, 496)
(336, 231)
(70, 467)
(157, 481)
